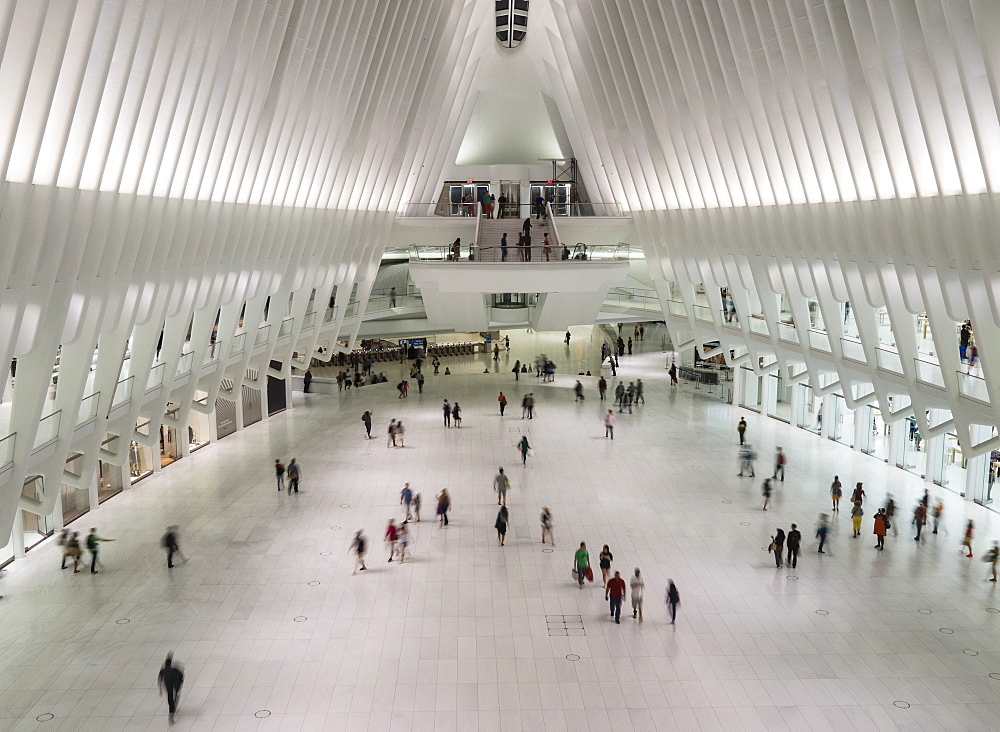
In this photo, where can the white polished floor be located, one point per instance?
(267, 619)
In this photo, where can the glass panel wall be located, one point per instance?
(109, 481)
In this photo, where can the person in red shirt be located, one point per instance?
(390, 538)
(615, 591)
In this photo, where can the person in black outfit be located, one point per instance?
(778, 546)
(171, 678)
(793, 541)
(169, 542)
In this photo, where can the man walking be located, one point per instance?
(609, 424)
(293, 476)
(169, 543)
(581, 561)
(405, 499)
(602, 387)
(279, 474)
(822, 529)
(615, 591)
(93, 542)
(792, 541)
(170, 678)
(741, 430)
(502, 400)
(779, 464)
(636, 585)
(446, 408)
(500, 485)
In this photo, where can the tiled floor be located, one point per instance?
(266, 617)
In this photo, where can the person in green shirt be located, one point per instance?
(582, 562)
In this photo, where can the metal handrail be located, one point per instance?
(515, 254)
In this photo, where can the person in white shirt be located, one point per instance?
(637, 586)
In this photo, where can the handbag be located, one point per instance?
(590, 574)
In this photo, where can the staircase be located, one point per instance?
(491, 231)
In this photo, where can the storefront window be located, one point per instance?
(75, 502)
(198, 424)
(140, 457)
(109, 481)
(36, 527)
(169, 449)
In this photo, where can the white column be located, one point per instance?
(829, 407)
(897, 443)
(934, 448)
(287, 370)
(93, 489)
(800, 406)
(769, 404)
(977, 468)
(17, 534)
(863, 429)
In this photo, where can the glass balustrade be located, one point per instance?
(7, 448)
(285, 329)
(48, 429)
(676, 307)
(155, 377)
(329, 315)
(889, 360)
(309, 321)
(973, 386)
(88, 407)
(786, 332)
(819, 340)
(929, 372)
(853, 349)
(123, 391)
(263, 333)
(703, 313)
(758, 324)
(239, 341)
(184, 364)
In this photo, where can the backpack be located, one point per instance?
(167, 540)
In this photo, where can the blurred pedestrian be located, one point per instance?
(822, 529)
(673, 600)
(359, 547)
(967, 541)
(391, 536)
(836, 491)
(766, 490)
(636, 587)
(546, 521)
(170, 543)
(170, 678)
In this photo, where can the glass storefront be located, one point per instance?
(751, 387)
(198, 425)
(780, 404)
(109, 481)
(140, 457)
(36, 528)
(810, 409)
(169, 449)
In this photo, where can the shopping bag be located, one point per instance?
(575, 574)
(590, 574)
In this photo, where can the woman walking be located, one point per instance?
(858, 496)
(391, 442)
(766, 490)
(400, 433)
(673, 599)
(367, 419)
(777, 546)
(501, 524)
(546, 520)
(967, 541)
(456, 414)
(606, 558)
(836, 491)
(524, 447)
(403, 540)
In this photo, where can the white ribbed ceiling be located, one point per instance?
(359, 103)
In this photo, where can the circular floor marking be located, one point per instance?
(744, 523)
(995, 676)
(901, 704)
(358, 470)
(336, 528)
(727, 502)
(345, 505)
(924, 611)
(262, 713)
(970, 652)
(122, 621)
(574, 657)
(822, 612)
(300, 618)
(325, 554)
(947, 631)
(791, 577)
(45, 717)
(547, 551)
(313, 583)
(993, 610)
